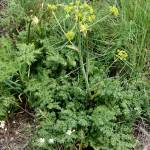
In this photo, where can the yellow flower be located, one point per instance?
(122, 55)
(91, 10)
(88, 8)
(70, 35)
(35, 20)
(83, 28)
(68, 8)
(114, 10)
(78, 14)
(91, 18)
(85, 5)
(52, 7)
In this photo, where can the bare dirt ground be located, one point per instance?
(142, 134)
(17, 132)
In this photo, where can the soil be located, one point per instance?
(17, 132)
(142, 134)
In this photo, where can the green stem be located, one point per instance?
(83, 69)
(80, 146)
(29, 30)
(87, 59)
(142, 52)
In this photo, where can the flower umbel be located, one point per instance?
(122, 55)
(51, 141)
(35, 20)
(84, 28)
(68, 8)
(114, 10)
(69, 132)
(70, 35)
(52, 7)
(41, 141)
(91, 18)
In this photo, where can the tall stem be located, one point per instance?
(80, 146)
(87, 59)
(83, 68)
(29, 30)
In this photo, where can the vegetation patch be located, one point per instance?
(81, 66)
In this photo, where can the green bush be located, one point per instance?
(76, 71)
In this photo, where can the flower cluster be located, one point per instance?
(69, 132)
(122, 55)
(70, 35)
(42, 141)
(52, 7)
(35, 20)
(81, 13)
(114, 10)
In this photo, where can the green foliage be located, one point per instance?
(27, 53)
(7, 102)
(12, 16)
(110, 114)
(8, 64)
(82, 94)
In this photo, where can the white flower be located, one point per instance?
(51, 141)
(69, 132)
(35, 20)
(41, 141)
(2, 124)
